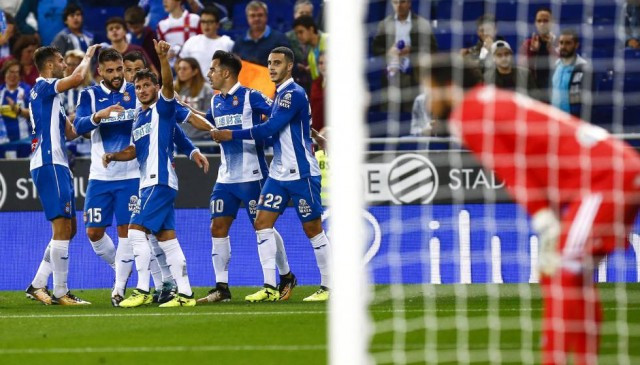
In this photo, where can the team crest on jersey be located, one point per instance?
(67, 208)
(235, 101)
(285, 101)
(126, 96)
(253, 207)
(304, 208)
(133, 202)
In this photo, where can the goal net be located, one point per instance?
(434, 262)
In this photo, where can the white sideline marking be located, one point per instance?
(118, 314)
(84, 350)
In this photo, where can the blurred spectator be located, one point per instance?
(421, 123)
(316, 99)
(14, 103)
(203, 46)
(141, 35)
(260, 39)
(176, 28)
(539, 53)
(193, 90)
(70, 98)
(487, 34)
(73, 37)
(8, 38)
(504, 75)
(301, 8)
(133, 62)
(117, 35)
(23, 52)
(571, 77)
(155, 9)
(401, 38)
(632, 23)
(49, 15)
(316, 41)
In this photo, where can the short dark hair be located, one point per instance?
(542, 8)
(286, 51)
(451, 68)
(134, 56)
(145, 74)
(134, 15)
(43, 54)
(109, 54)
(571, 32)
(211, 10)
(229, 61)
(70, 9)
(307, 22)
(117, 20)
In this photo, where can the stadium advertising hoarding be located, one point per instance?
(433, 218)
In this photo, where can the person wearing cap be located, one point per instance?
(505, 75)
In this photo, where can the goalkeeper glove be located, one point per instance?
(547, 226)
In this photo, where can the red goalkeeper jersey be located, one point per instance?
(546, 157)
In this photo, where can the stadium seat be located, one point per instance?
(471, 9)
(506, 10)
(605, 13)
(572, 12)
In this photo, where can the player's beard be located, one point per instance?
(110, 83)
(58, 74)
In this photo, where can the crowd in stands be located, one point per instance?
(194, 28)
(544, 58)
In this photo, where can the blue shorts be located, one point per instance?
(55, 189)
(154, 210)
(305, 194)
(225, 199)
(104, 198)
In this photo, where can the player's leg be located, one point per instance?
(98, 215)
(273, 201)
(305, 194)
(165, 285)
(38, 290)
(125, 202)
(224, 207)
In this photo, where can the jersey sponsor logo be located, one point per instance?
(285, 101)
(304, 208)
(228, 120)
(412, 179)
(33, 94)
(133, 202)
(266, 98)
(140, 132)
(3, 190)
(128, 114)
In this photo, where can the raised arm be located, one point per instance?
(75, 79)
(162, 49)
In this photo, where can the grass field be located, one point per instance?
(294, 332)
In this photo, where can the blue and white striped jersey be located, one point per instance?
(112, 134)
(241, 161)
(153, 133)
(49, 121)
(290, 124)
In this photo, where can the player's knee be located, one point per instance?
(260, 224)
(219, 229)
(312, 228)
(94, 234)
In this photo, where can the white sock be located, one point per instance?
(60, 264)
(44, 270)
(142, 256)
(161, 259)
(281, 255)
(178, 265)
(105, 249)
(124, 264)
(221, 255)
(322, 250)
(156, 273)
(267, 252)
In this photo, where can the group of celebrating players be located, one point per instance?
(132, 122)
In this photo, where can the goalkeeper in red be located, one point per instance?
(580, 185)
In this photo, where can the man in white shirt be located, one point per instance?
(203, 46)
(179, 26)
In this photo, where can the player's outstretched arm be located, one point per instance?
(162, 49)
(191, 109)
(200, 123)
(88, 123)
(75, 79)
(126, 154)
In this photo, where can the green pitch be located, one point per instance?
(433, 319)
